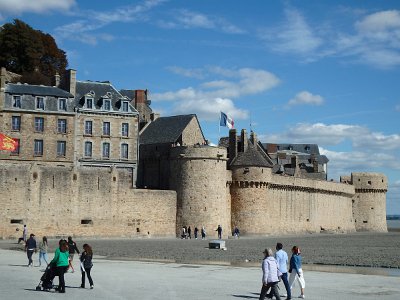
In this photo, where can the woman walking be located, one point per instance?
(296, 272)
(43, 248)
(61, 263)
(86, 265)
(270, 277)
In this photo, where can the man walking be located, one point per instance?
(30, 247)
(282, 260)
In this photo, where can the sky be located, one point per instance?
(323, 72)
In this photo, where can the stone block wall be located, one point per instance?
(62, 201)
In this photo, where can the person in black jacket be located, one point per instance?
(72, 249)
(86, 264)
(30, 247)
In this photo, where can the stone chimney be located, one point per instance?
(232, 145)
(57, 80)
(253, 138)
(2, 87)
(244, 141)
(140, 97)
(69, 81)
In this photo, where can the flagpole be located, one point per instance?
(219, 128)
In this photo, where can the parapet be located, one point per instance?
(199, 152)
(369, 181)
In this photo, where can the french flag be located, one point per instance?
(225, 120)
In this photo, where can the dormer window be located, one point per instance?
(89, 103)
(17, 101)
(307, 148)
(125, 106)
(107, 104)
(62, 104)
(40, 103)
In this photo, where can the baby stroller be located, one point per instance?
(46, 281)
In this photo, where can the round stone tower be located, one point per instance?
(369, 201)
(199, 177)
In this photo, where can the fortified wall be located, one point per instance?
(265, 203)
(63, 201)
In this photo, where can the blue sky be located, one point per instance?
(324, 72)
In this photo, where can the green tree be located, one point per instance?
(31, 53)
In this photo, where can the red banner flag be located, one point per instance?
(7, 143)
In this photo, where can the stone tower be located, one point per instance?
(199, 176)
(369, 201)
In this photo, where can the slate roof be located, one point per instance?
(301, 148)
(36, 90)
(128, 93)
(250, 158)
(165, 129)
(100, 89)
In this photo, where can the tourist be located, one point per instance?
(183, 235)
(296, 271)
(24, 234)
(196, 232)
(189, 231)
(86, 265)
(30, 247)
(236, 232)
(43, 248)
(270, 276)
(282, 260)
(219, 230)
(72, 249)
(203, 233)
(61, 263)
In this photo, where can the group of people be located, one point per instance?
(276, 267)
(186, 233)
(63, 259)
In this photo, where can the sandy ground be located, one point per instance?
(359, 249)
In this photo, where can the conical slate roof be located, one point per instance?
(250, 158)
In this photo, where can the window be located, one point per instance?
(16, 101)
(107, 104)
(16, 151)
(106, 150)
(125, 129)
(124, 151)
(16, 123)
(89, 103)
(39, 124)
(125, 106)
(62, 126)
(40, 103)
(61, 148)
(106, 128)
(88, 127)
(88, 149)
(62, 104)
(38, 148)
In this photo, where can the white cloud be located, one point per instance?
(295, 35)
(306, 98)
(209, 109)
(213, 96)
(188, 19)
(85, 29)
(192, 73)
(37, 6)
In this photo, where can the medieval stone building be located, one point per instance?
(94, 161)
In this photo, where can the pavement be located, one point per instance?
(115, 279)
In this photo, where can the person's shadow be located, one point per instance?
(256, 296)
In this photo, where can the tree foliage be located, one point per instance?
(31, 53)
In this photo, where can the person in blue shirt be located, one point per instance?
(282, 260)
(296, 272)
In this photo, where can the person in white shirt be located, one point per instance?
(282, 260)
(271, 275)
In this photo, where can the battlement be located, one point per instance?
(365, 182)
(199, 152)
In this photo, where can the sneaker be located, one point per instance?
(91, 287)
(302, 296)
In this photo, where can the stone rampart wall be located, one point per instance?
(263, 203)
(61, 201)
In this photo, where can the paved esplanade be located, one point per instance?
(140, 280)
